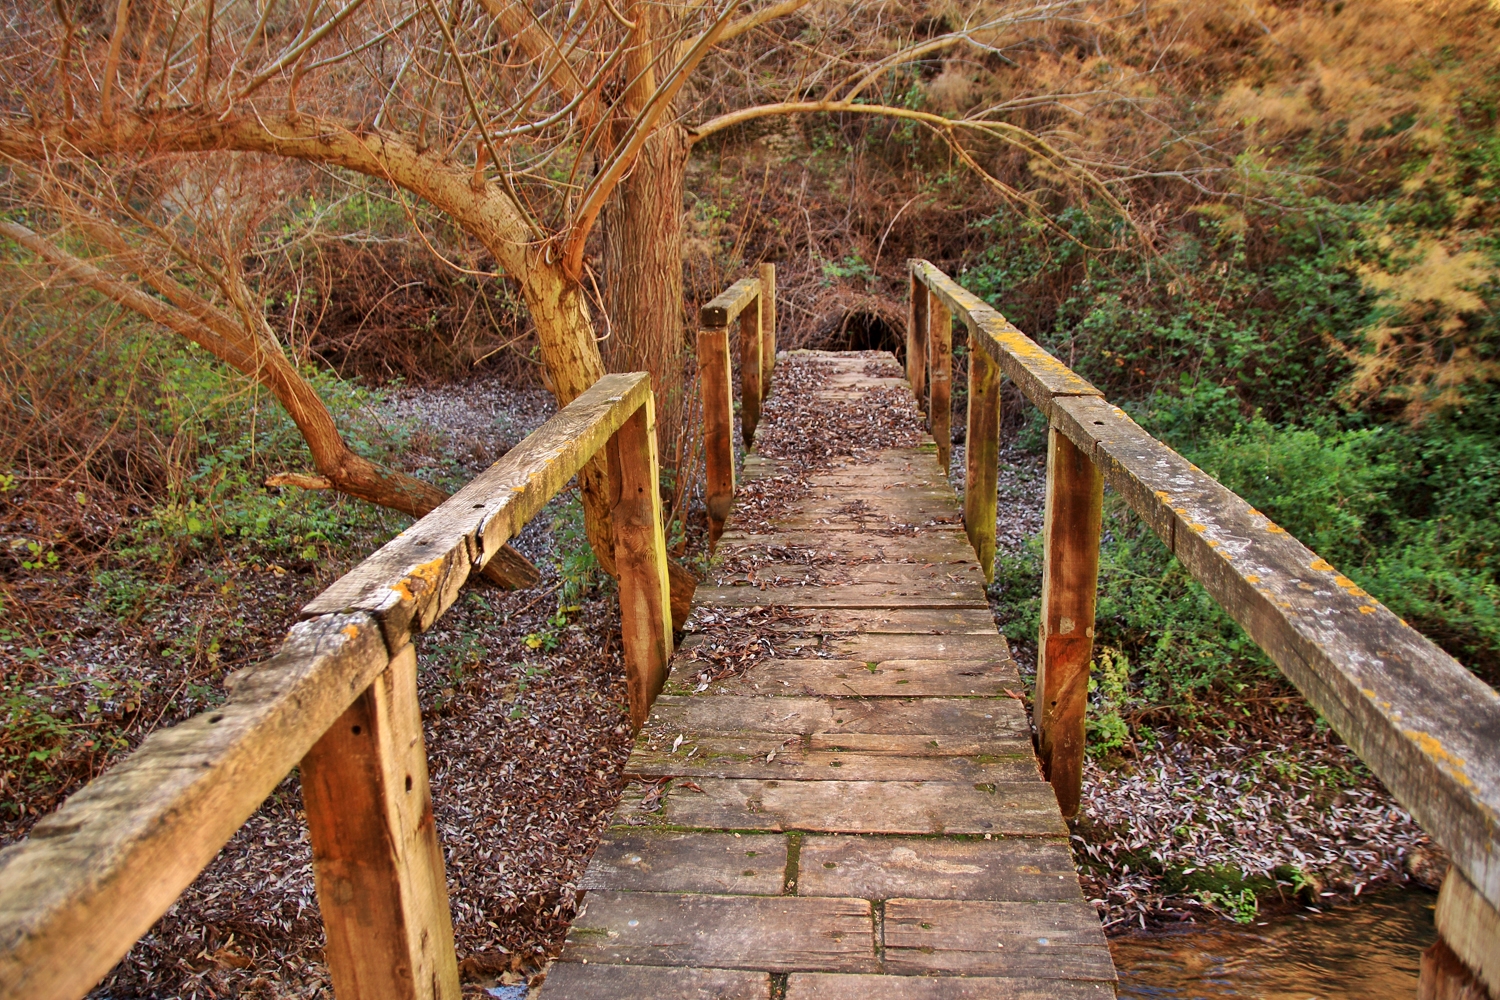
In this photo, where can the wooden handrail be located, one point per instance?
(751, 301)
(340, 698)
(1427, 727)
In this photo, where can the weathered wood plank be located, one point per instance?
(834, 986)
(97, 873)
(1016, 869)
(854, 595)
(936, 547)
(915, 645)
(413, 578)
(1422, 723)
(982, 459)
(1024, 808)
(718, 428)
(1469, 927)
(876, 622)
(859, 678)
(577, 981)
(768, 570)
(641, 560)
(688, 862)
(836, 717)
(378, 865)
(773, 760)
(726, 307)
(1033, 940)
(775, 933)
(1065, 646)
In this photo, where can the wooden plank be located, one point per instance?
(836, 717)
(1421, 722)
(775, 933)
(724, 758)
(1470, 928)
(945, 547)
(767, 275)
(413, 578)
(1033, 940)
(641, 560)
(940, 378)
(858, 678)
(1017, 869)
(1065, 647)
(1022, 808)
(577, 981)
(97, 873)
(876, 622)
(718, 428)
(982, 459)
(688, 862)
(966, 645)
(916, 341)
(726, 307)
(376, 858)
(835, 571)
(916, 744)
(834, 986)
(752, 382)
(856, 595)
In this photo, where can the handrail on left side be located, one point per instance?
(340, 699)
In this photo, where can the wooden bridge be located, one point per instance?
(834, 794)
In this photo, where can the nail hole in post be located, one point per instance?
(356, 730)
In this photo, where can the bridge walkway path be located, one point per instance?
(836, 796)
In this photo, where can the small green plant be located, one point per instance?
(1242, 906)
(1109, 686)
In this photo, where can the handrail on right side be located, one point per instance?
(1427, 727)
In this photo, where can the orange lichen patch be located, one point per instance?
(427, 574)
(1321, 565)
(1252, 578)
(1367, 692)
(1179, 510)
(349, 632)
(1200, 528)
(1366, 609)
(1434, 748)
(1349, 585)
(1212, 543)
(1275, 528)
(1163, 496)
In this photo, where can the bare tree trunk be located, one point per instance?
(643, 234)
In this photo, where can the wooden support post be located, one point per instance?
(751, 383)
(376, 858)
(641, 559)
(1464, 962)
(982, 456)
(718, 427)
(916, 341)
(1070, 577)
(767, 325)
(940, 375)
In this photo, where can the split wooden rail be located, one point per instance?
(340, 699)
(1422, 723)
(751, 302)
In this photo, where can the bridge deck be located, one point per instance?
(836, 795)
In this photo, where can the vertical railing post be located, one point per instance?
(751, 363)
(641, 559)
(982, 453)
(718, 427)
(940, 377)
(916, 340)
(767, 325)
(1070, 577)
(377, 863)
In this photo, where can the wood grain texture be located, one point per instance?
(1065, 645)
(641, 560)
(860, 678)
(752, 375)
(916, 341)
(775, 933)
(726, 307)
(718, 428)
(1020, 870)
(97, 873)
(832, 986)
(982, 459)
(577, 981)
(717, 863)
(376, 858)
(767, 275)
(940, 378)
(770, 758)
(1469, 927)
(1038, 940)
(412, 579)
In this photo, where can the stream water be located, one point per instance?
(1367, 950)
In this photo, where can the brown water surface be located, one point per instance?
(1366, 950)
